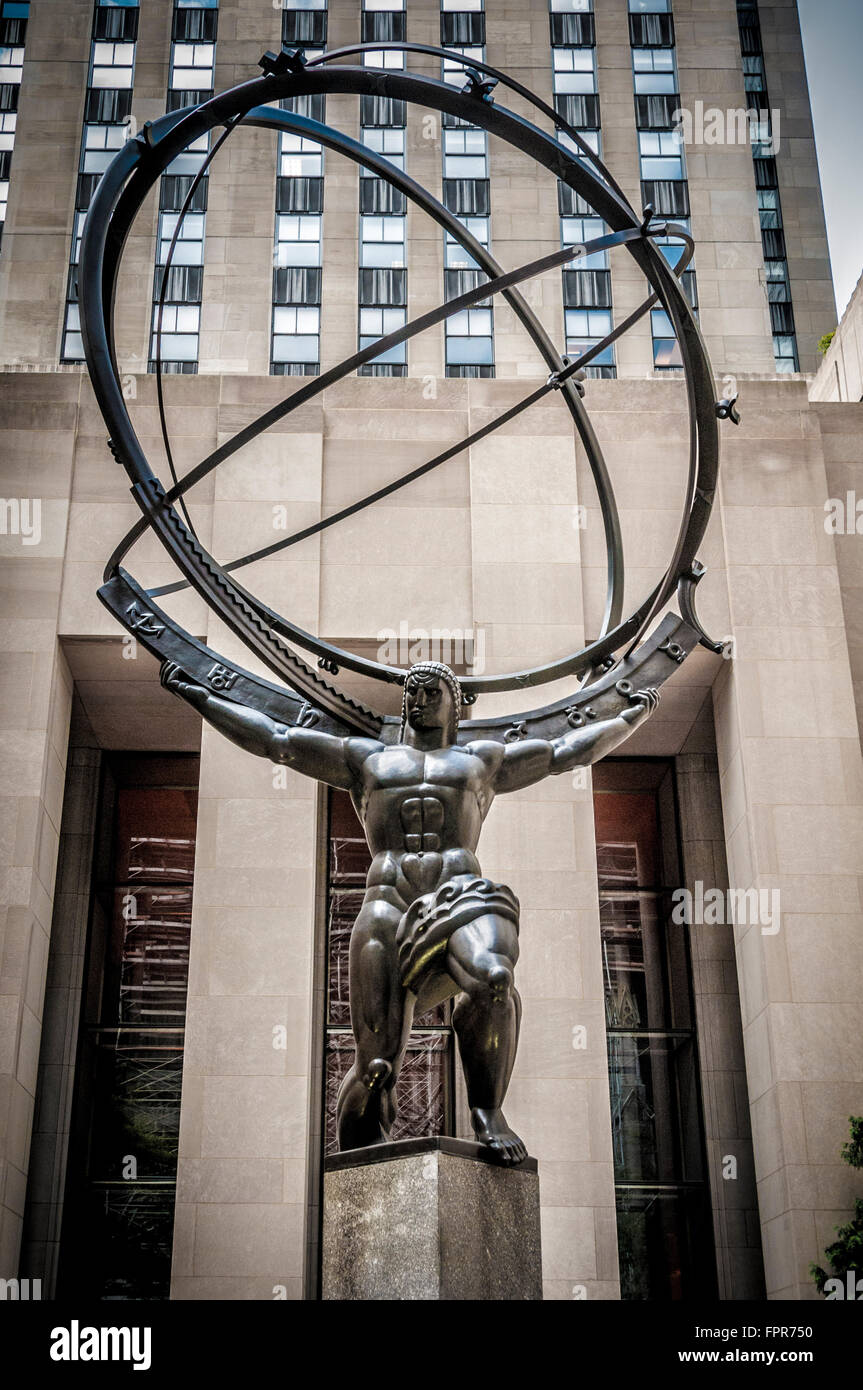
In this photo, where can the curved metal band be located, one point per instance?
(381, 345)
(398, 86)
(142, 180)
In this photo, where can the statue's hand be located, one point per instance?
(642, 703)
(173, 678)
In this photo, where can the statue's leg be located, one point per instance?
(481, 960)
(381, 1020)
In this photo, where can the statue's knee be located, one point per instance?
(500, 982)
(377, 1074)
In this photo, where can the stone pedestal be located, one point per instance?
(430, 1219)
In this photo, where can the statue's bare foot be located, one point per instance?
(491, 1129)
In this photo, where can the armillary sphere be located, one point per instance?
(609, 667)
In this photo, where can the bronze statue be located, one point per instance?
(431, 927)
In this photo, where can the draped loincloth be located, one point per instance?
(425, 929)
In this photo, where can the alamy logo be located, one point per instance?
(21, 516)
(454, 647)
(76, 1343)
(844, 515)
(715, 907)
(735, 126)
(21, 1290)
(852, 1289)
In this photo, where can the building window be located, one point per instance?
(785, 353)
(374, 324)
(661, 154)
(425, 1087)
(666, 349)
(118, 1228)
(296, 336)
(653, 70)
(13, 33)
(112, 64)
(382, 241)
(574, 70)
(584, 329)
(664, 1228)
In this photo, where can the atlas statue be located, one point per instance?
(431, 927)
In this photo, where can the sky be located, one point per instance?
(833, 46)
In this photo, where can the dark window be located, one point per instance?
(651, 30)
(108, 105)
(381, 111)
(384, 286)
(579, 111)
(571, 204)
(304, 26)
(572, 30)
(175, 190)
(119, 23)
(663, 1206)
(469, 369)
(466, 197)
(587, 289)
(297, 284)
(384, 26)
(184, 285)
(425, 1087)
(376, 195)
(765, 173)
(773, 241)
(299, 195)
(118, 1228)
(177, 99)
(667, 197)
(462, 28)
(458, 282)
(656, 112)
(313, 106)
(687, 279)
(194, 25)
(781, 318)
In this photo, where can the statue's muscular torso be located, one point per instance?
(422, 813)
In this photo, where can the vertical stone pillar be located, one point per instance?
(792, 795)
(40, 414)
(527, 588)
(727, 1131)
(240, 1228)
(58, 1054)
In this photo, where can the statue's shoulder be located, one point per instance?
(488, 750)
(359, 749)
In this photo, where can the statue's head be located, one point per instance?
(432, 700)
